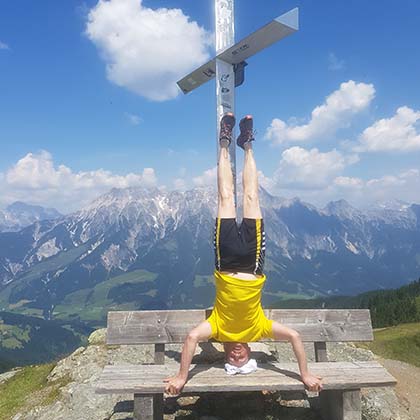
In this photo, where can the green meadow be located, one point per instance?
(400, 342)
(29, 387)
(91, 305)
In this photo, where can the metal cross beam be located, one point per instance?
(228, 64)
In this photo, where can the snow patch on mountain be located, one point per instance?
(47, 249)
(349, 245)
(91, 249)
(130, 228)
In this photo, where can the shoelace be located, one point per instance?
(249, 134)
(226, 132)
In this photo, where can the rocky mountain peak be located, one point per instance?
(170, 233)
(19, 215)
(342, 209)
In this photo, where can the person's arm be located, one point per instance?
(281, 332)
(202, 332)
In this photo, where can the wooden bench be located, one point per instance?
(342, 381)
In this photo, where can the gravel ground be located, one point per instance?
(408, 387)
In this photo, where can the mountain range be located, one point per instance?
(18, 215)
(148, 248)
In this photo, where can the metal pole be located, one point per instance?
(225, 77)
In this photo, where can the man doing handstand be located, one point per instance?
(237, 317)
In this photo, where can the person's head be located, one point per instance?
(237, 354)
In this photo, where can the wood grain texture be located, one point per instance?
(143, 407)
(148, 379)
(320, 348)
(159, 354)
(341, 405)
(148, 407)
(314, 325)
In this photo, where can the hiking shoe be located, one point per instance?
(247, 131)
(226, 126)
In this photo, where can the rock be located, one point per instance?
(128, 355)
(382, 404)
(77, 399)
(83, 365)
(7, 375)
(98, 337)
(283, 352)
(348, 352)
(186, 401)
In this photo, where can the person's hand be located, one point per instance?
(312, 382)
(174, 384)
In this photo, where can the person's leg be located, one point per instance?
(281, 333)
(251, 202)
(226, 229)
(226, 200)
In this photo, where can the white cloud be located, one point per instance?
(337, 111)
(265, 181)
(348, 182)
(398, 133)
(209, 177)
(147, 178)
(36, 179)
(402, 186)
(309, 169)
(146, 50)
(180, 184)
(133, 119)
(3, 46)
(334, 64)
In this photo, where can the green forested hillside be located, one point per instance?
(27, 340)
(387, 307)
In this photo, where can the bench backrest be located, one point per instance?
(164, 327)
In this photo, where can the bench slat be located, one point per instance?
(314, 325)
(148, 379)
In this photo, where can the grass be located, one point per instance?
(13, 336)
(401, 342)
(29, 388)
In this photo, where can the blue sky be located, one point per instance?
(87, 99)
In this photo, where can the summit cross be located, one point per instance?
(229, 63)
